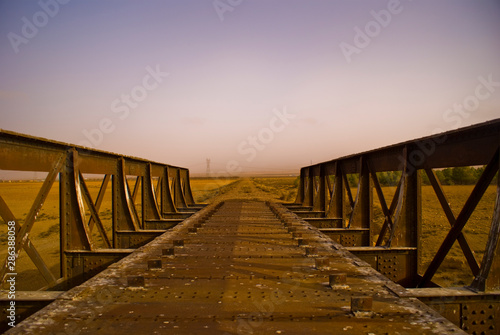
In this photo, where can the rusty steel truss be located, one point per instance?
(166, 199)
(325, 200)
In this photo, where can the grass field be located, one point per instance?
(273, 189)
(45, 233)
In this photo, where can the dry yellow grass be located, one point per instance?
(265, 189)
(454, 271)
(207, 188)
(44, 235)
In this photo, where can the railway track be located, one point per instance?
(238, 267)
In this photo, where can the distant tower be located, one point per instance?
(208, 167)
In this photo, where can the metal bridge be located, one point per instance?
(318, 265)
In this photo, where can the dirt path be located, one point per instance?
(247, 189)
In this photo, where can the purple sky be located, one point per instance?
(252, 84)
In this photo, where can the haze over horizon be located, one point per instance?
(252, 85)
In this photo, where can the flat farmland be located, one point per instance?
(44, 235)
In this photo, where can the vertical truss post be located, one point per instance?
(411, 224)
(124, 213)
(186, 181)
(300, 192)
(354, 205)
(411, 214)
(397, 235)
(180, 200)
(150, 209)
(167, 201)
(320, 198)
(362, 208)
(75, 233)
(309, 187)
(335, 210)
(365, 197)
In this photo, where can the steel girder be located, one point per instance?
(68, 165)
(324, 192)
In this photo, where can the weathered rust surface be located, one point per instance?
(81, 253)
(476, 313)
(325, 199)
(238, 268)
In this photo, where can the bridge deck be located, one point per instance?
(251, 268)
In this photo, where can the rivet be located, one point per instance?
(154, 264)
(361, 304)
(168, 251)
(136, 281)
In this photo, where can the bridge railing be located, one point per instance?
(324, 191)
(165, 200)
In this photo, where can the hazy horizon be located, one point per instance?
(261, 85)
